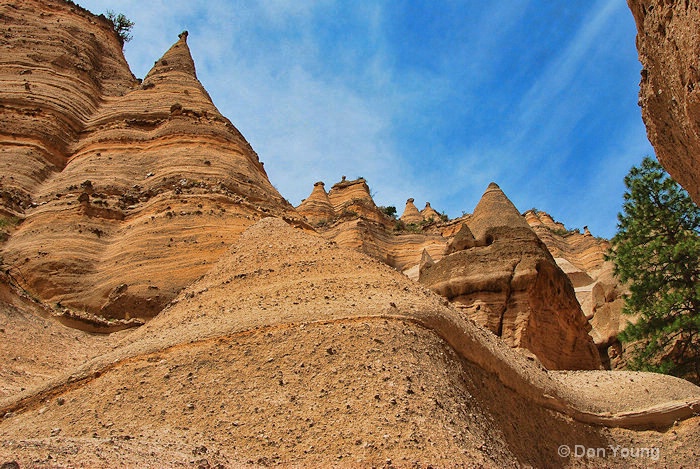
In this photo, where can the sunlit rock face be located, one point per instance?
(582, 258)
(507, 281)
(669, 49)
(127, 191)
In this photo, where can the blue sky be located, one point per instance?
(425, 99)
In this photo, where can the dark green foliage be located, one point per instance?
(389, 211)
(657, 252)
(122, 25)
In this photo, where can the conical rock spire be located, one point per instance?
(411, 213)
(177, 59)
(495, 210)
(317, 207)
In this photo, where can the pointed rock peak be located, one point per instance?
(318, 193)
(495, 210)
(464, 239)
(317, 207)
(411, 213)
(429, 213)
(426, 261)
(176, 59)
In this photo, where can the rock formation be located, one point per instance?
(582, 258)
(317, 208)
(144, 179)
(507, 281)
(669, 49)
(277, 346)
(365, 366)
(349, 216)
(430, 214)
(410, 214)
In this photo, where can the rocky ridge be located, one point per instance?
(504, 278)
(579, 256)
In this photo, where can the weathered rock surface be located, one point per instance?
(317, 208)
(349, 216)
(351, 199)
(429, 213)
(143, 179)
(410, 214)
(366, 366)
(289, 349)
(582, 258)
(508, 281)
(669, 49)
(56, 67)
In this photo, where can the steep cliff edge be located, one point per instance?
(582, 257)
(148, 179)
(669, 49)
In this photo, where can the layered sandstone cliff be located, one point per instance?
(364, 367)
(410, 214)
(288, 349)
(669, 49)
(502, 276)
(582, 257)
(143, 178)
(575, 257)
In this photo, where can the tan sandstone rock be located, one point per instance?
(289, 349)
(317, 208)
(510, 283)
(600, 294)
(152, 179)
(430, 214)
(366, 365)
(669, 49)
(410, 214)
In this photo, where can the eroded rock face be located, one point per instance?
(367, 365)
(56, 64)
(317, 208)
(149, 182)
(582, 258)
(429, 213)
(349, 216)
(669, 49)
(508, 281)
(411, 214)
(351, 199)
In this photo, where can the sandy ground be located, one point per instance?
(295, 352)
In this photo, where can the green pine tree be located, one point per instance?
(121, 24)
(656, 251)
